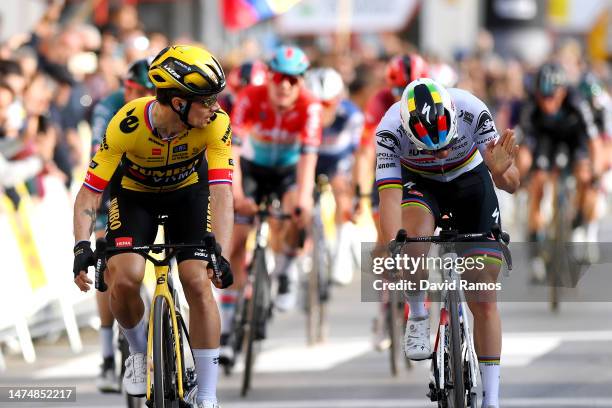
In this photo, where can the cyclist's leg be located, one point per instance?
(420, 210)
(132, 224)
(476, 210)
(187, 223)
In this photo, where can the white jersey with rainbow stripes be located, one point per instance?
(394, 149)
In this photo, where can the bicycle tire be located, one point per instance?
(313, 300)
(561, 234)
(455, 356)
(391, 314)
(164, 379)
(256, 315)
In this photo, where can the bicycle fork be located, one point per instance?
(162, 289)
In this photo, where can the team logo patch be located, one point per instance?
(180, 148)
(130, 123)
(388, 140)
(123, 242)
(93, 165)
(467, 117)
(485, 123)
(156, 151)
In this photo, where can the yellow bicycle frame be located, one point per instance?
(162, 289)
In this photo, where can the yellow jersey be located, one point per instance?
(151, 164)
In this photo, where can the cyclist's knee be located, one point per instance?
(127, 272)
(483, 310)
(196, 284)
(417, 221)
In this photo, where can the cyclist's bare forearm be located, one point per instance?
(508, 181)
(306, 176)
(222, 214)
(85, 206)
(237, 176)
(364, 165)
(390, 212)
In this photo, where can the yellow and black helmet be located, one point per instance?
(189, 69)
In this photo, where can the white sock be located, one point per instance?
(207, 368)
(489, 374)
(416, 300)
(106, 341)
(137, 336)
(228, 307)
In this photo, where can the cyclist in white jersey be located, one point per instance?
(439, 153)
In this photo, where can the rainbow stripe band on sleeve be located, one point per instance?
(220, 176)
(385, 183)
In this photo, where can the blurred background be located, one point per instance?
(58, 58)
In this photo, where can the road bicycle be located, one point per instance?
(454, 365)
(172, 377)
(318, 284)
(254, 305)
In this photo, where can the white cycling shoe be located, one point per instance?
(135, 377)
(416, 339)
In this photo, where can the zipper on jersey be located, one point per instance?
(161, 188)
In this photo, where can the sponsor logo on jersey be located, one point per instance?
(226, 136)
(156, 151)
(103, 144)
(230, 162)
(129, 123)
(485, 123)
(415, 192)
(123, 242)
(157, 142)
(114, 221)
(180, 148)
(93, 165)
(388, 140)
(467, 117)
(386, 165)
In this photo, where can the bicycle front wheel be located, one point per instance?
(165, 383)
(257, 310)
(456, 390)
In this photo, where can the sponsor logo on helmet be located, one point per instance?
(425, 111)
(388, 140)
(171, 70)
(129, 123)
(485, 123)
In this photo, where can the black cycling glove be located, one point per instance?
(83, 257)
(227, 277)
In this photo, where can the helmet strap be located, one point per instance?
(183, 113)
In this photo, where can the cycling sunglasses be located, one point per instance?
(207, 101)
(279, 77)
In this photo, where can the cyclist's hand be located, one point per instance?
(83, 258)
(245, 206)
(301, 215)
(227, 277)
(500, 156)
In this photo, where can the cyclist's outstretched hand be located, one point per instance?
(227, 277)
(499, 156)
(83, 258)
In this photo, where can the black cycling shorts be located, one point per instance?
(469, 199)
(133, 218)
(259, 181)
(546, 151)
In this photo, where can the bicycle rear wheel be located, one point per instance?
(165, 380)
(257, 310)
(456, 391)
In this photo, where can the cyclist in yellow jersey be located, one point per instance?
(160, 143)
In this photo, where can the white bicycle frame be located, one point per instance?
(450, 275)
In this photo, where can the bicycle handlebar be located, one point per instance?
(208, 246)
(451, 236)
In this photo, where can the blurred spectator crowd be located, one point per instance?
(51, 77)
